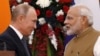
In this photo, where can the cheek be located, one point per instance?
(74, 21)
(31, 25)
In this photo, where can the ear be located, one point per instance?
(20, 18)
(84, 20)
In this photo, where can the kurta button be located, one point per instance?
(71, 52)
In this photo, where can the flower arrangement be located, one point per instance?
(48, 37)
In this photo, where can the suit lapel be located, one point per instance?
(16, 40)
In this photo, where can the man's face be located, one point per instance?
(29, 22)
(73, 22)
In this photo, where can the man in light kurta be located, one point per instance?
(79, 21)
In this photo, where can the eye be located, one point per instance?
(69, 18)
(34, 21)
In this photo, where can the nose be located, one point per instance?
(66, 21)
(35, 26)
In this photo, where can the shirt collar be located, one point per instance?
(17, 32)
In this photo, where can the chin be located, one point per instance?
(70, 32)
(27, 35)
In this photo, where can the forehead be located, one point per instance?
(31, 14)
(31, 11)
(73, 12)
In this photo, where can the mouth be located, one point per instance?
(67, 27)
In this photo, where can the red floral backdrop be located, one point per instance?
(48, 37)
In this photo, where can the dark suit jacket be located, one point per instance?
(13, 42)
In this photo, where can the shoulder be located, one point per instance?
(7, 35)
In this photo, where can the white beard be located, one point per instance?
(74, 29)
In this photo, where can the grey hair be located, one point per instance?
(85, 11)
(20, 9)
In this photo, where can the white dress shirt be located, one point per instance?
(17, 32)
(96, 49)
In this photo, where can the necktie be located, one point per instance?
(25, 46)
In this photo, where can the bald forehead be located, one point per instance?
(32, 10)
(23, 8)
(20, 9)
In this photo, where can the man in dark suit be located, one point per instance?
(23, 22)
